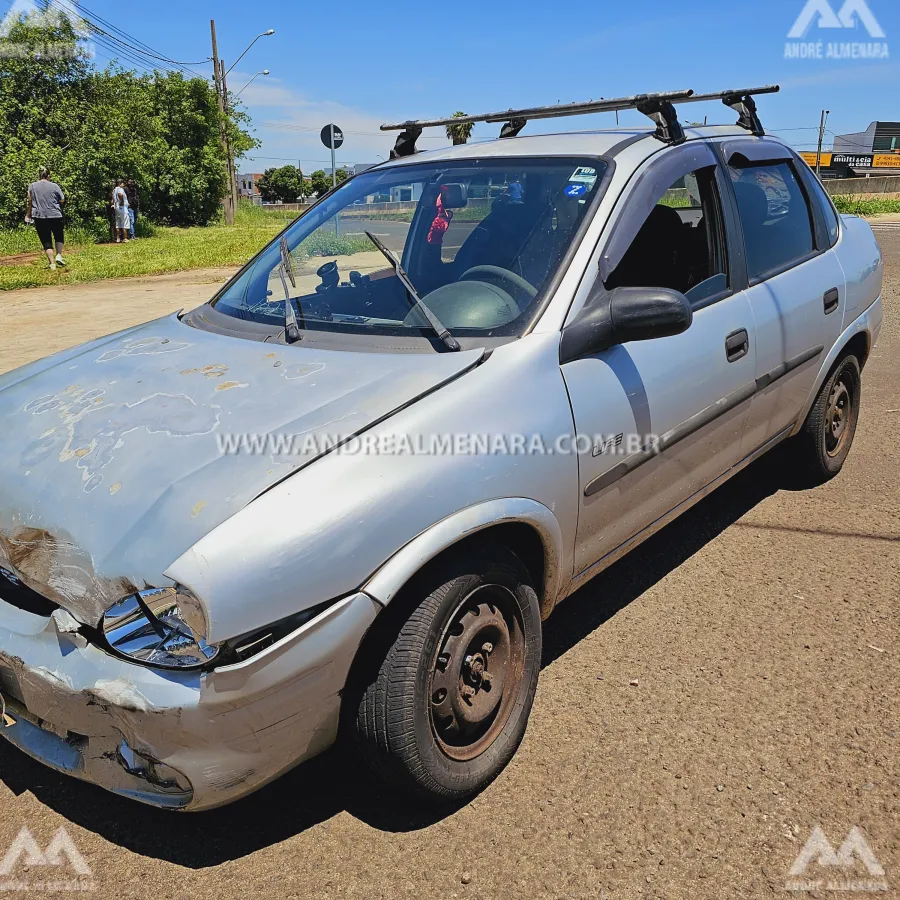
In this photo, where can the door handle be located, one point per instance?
(832, 300)
(736, 345)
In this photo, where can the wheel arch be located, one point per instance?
(527, 527)
(859, 339)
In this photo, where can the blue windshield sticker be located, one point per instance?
(575, 190)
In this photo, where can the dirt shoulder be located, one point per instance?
(40, 321)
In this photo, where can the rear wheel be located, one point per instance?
(822, 445)
(450, 701)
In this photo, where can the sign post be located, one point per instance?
(332, 138)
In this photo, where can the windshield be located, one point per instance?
(479, 240)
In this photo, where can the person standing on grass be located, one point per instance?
(120, 207)
(44, 209)
(134, 205)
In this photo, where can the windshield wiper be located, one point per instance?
(440, 330)
(286, 270)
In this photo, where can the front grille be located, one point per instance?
(16, 593)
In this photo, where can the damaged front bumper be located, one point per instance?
(178, 740)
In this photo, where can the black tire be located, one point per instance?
(450, 747)
(821, 446)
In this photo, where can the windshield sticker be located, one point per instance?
(584, 175)
(575, 190)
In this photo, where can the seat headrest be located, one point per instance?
(453, 195)
(752, 201)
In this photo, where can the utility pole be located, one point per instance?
(822, 120)
(232, 174)
(218, 70)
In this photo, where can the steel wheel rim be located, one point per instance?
(837, 417)
(476, 672)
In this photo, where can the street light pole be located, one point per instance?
(244, 88)
(271, 31)
(223, 134)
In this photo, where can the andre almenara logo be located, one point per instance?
(824, 31)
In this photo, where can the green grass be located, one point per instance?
(866, 206)
(24, 239)
(164, 249)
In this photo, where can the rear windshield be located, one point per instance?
(479, 239)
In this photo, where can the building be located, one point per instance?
(875, 151)
(879, 137)
(247, 185)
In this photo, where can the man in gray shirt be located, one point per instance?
(44, 209)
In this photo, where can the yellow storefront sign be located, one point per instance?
(810, 159)
(886, 161)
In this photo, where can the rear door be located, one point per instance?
(796, 285)
(689, 392)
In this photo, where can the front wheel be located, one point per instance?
(450, 702)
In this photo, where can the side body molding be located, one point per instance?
(384, 585)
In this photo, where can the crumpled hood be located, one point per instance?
(114, 457)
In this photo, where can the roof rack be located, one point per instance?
(658, 107)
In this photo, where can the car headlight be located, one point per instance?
(162, 627)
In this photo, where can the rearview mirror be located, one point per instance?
(623, 315)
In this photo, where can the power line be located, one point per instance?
(146, 47)
(121, 43)
(316, 130)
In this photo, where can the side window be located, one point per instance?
(681, 243)
(775, 216)
(831, 219)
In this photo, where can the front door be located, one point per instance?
(686, 395)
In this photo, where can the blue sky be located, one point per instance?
(360, 64)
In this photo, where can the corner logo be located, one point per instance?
(851, 15)
(854, 856)
(27, 12)
(61, 853)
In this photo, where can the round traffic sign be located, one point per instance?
(338, 136)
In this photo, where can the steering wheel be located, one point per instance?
(495, 274)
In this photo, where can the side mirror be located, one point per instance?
(622, 315)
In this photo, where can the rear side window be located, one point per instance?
(830, 216)
(775, 216)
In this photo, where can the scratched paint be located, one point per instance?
(143, 346)
(93, 440)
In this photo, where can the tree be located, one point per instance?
(460, 133)
(321, 183)
(285, 184)
(91, 127)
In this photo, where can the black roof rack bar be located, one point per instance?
(742, 102)
(516, 119)
(659, 107)
(543, 112)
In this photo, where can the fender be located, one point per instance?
(385, 584)
(868, 323)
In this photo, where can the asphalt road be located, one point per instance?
(703, 706)
(393, 234)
